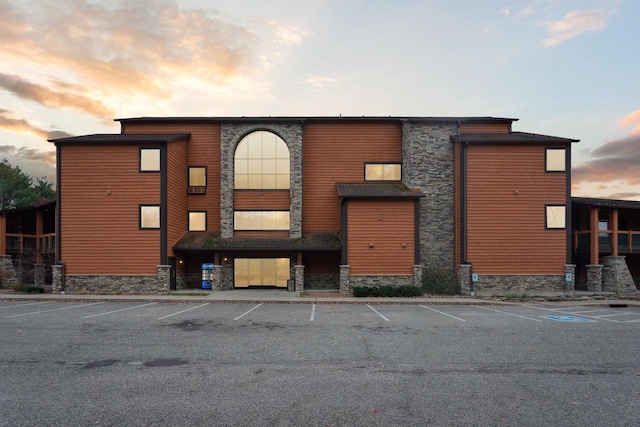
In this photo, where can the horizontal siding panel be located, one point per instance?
(389, 226)
(270, 200)
(485, 127)
(176, 192)
(336, 152)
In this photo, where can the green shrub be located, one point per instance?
(28, 289)
(387, 291)
(440, 282)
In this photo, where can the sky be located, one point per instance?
(566, 68)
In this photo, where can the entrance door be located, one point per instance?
(261, 272)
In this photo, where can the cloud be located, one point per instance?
(505, 12)
(318, 82)
(287, 35)
(28, 154)
(632, 119)
(574, 24)
(8, 122)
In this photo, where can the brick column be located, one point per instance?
(464, 279)
(594, 278)
(571, 284)
(344, 279)
(164, 278)
(57, 278)
(417, 275)
(39, 274)
(299, 277)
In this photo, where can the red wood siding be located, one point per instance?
(204, 150)
(270, 200)
(336, 152)
(506, 230)
(485, 127)
(392, 236)
(101, 189)
(177, 177)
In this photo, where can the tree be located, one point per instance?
(17, 189)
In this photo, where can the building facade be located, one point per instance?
(313, 203)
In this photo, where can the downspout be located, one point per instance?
(463, 202)
(164, 215)
(568, 215)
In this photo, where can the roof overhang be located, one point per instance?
(606, 203)
(511, 137)
(377, 190)
(207, 241)
(152, 138)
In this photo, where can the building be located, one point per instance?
(313, 202)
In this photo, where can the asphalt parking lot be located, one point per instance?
(148, 363)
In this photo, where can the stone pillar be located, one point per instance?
(217, 278)
(39, 274)
(417, 275)
(344, 279)
(8, 277)
(57, 278)
(226, 281)
(570, 285)
(164, 278)
(464, 279)
(299, 277)
(594, 278)
(616, 276)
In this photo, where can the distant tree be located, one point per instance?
(17, 189)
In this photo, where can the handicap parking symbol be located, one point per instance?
(568, 319)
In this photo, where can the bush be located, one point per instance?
(440, 282)
(387, 291)
(28, 289)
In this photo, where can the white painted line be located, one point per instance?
(437, 311)
(510, 314)
(247, 312)
(569, 313)
(591, 311)
(627, 321)
(24, 305)
(616, 314)
(117, 311)
(55, 309)
(183, 311)
(377, 312)
(313, 313)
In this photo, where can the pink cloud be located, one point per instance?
(573, 24)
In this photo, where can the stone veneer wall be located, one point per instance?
(188, 280)
(322, 281)
(520, 284)
(8, 277)
(390, 280)
(616, 276)
(110, 284)
(232, 133)
(427, 163)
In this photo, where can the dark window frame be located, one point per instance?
(159, 150)
(140, 206)
(364, 170)
(546, 153)
(546, 217)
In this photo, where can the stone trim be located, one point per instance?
(299, 277)
(417, 275)
(570, 284)
(110, 284)
(381, 280)
(39, 274)
(57, 278)
(344, 278)
(322, 281)
(464, 279)
(8, 277)
(616, 276)
(530, 285)
(594, 278)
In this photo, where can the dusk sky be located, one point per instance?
(564, 68)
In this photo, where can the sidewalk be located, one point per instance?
(257, 296)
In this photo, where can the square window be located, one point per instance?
(555, 159)
(149, 159)
(197, 176)
(555, 217)
(149, 216)
(197, 221)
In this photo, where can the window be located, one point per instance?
(197, 180)
(555, 159)
(261, 220)
(382, 172)
(149, 159)
(556, 216)
(262, 162)
(197, 221)
(261, 272)
(149, 216)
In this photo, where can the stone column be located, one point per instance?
(57, 278)
(164, 278)
(299, 277)
(226, 281)
(570, 285)
(8, 277)
(38, 274)
(464, 279)
(217, 278)
(344, 279)
(594, 278)
(417, 275)
(616, 276)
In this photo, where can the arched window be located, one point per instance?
(261, 162)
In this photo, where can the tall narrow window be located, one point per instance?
(197, 180)
(149, 159)
(555, 159)
(149, 216)
(261, 162)
(382, 172)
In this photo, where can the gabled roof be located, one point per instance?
(509, 137)
(102, 138)
(606, 203)
(207, 241)
(377, 190)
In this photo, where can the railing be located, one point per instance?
(628, 241)
(19, 243)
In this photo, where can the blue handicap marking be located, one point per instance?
(568, 319)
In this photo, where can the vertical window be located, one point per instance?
(555, 216)
(149, 216)
(197, 221)
(555, 159)
(261, 162)
(149, 159)
(197, 180)
(382, 172)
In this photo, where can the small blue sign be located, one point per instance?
(474, 277)
(568, 319)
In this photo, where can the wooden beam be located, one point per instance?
(593, 236)
(614, 230)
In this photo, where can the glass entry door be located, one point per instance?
(257, 272)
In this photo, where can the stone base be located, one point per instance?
(322, 281)
(383, 280)
(8, 277)
(616, 276)
(115, 284)
(489, 285)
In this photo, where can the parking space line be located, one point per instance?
(437, 311)
(571, 313)
(54, 309)
(24, 305)
(117, 311)
(247, 312)
(378, 313)
(611, 315)
(313, 313)
(590, 311)
(510, 314)
(183, 311)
